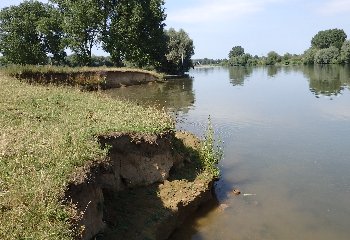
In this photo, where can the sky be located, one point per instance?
(259, 26)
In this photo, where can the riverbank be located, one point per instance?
(87, 78)
(51, 141)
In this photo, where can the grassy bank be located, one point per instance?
(45, 134)
(87, 77)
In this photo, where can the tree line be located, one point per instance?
(132, 32)
(327, 47)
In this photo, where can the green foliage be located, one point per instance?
(286, 58)
(207, 61)
(273, 58)
(96, 61)
(131, 31)
(136, 33)
(329, 38)
(327, 56)
(242, 60)
(180, 49)
(30, 31)
(210, 154)
(345, 52)
(83, 21)
(236, 51)
(46, 133)
(309, 56)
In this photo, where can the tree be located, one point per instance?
(136, 32)
(328, 38)
(53, 35)
(30, 31)
(327, 55)
(236, 51)
(180, 49)
(83, 23)
(345, 52)
(241, 60)
(273, 58)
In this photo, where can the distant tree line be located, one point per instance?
(132, 32)
(207, 61)
(327, 47)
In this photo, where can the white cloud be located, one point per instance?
(205, 11)
(332, 7)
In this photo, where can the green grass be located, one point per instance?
(46, 133)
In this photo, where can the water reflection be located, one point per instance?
(239, 74)
(175, 95)
(283, 145)
(205, 69)
(272, 71)
(327, 80)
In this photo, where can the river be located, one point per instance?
(286, 141)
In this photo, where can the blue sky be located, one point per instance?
(259, 26)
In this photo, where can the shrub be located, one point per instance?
(327, 56)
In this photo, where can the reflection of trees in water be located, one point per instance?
(327, 80)
(239, 74)
(205, 69)
(273, 70)
(176, 94)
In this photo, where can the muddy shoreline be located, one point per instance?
(146, 188)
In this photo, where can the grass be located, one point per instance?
(46, 133)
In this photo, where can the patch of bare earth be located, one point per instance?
(149, 187)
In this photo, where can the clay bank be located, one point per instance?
(147, 187)
(88, 78)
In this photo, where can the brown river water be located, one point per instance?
(286, 141)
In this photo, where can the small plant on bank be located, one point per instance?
(210, 154)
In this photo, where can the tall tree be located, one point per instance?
(136, 32)
(83, 23)
(53, 36)
(328, 38)
(273, 58)
(30, 31)
(180, 49)
(236, 51)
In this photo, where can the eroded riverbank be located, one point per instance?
(146, 189)
(58, 183)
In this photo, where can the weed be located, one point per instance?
(209, 153)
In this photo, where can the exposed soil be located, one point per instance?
(147, 188)
(91, 80)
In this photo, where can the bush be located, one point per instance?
(327, 56)
(345, 52)
(309, 56)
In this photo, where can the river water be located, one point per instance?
(286, 140)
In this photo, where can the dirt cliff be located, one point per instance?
(145, 189)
